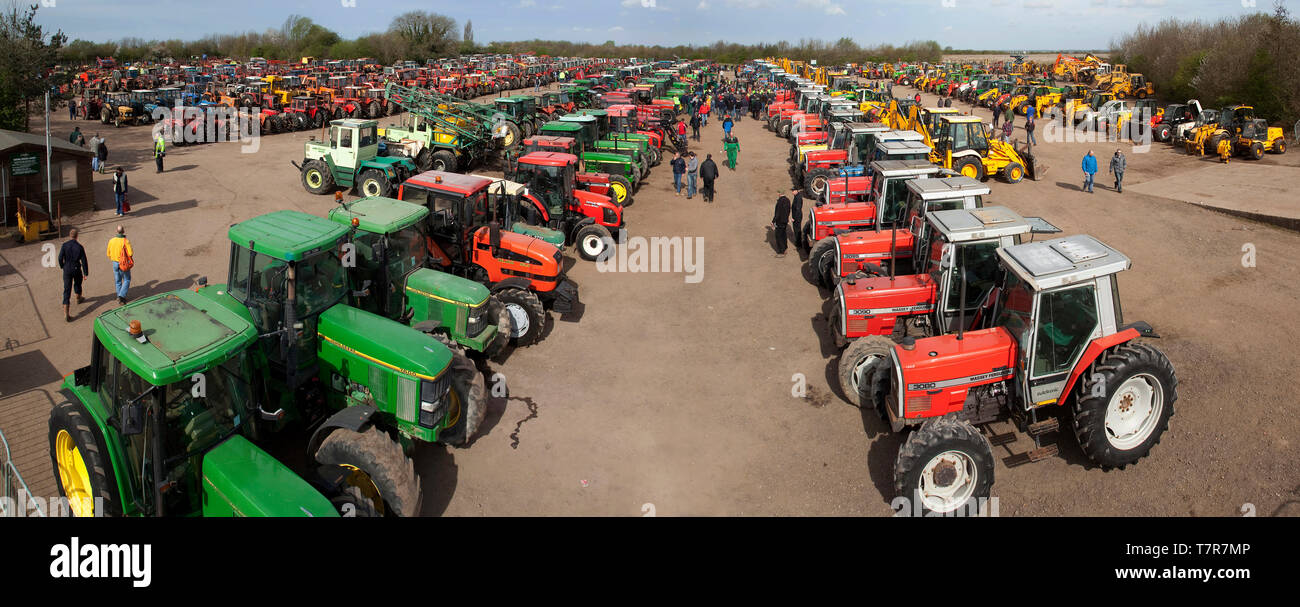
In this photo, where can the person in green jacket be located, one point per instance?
(731, 146)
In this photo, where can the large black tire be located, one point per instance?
(527, 316)
(70, 418)
(783, 129)
(1120, 378)
(822, 259)
(592, 240)
(443, 160)
(374, 182)
(1163, 132)
(513, 136)
(815, 183)
(316, 177)
(616, 182)
(381, 461)
(1279, 146)
(969, 166)
(471, 395)
(944, 456)
(424, 160)
(497, 312)
(1013, 172)
(374, 110)
(1255, 151)
(864, 370)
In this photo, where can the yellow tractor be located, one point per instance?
(1236, 132)
(1130, 85)
(961, 143)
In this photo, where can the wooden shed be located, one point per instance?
(22, 174)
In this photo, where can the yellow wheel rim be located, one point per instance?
(313, 179)
(1015, 174)
(620, 192)
(73, 475)
(359, 479)
(969, 171)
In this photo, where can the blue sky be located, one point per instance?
(1032, 24)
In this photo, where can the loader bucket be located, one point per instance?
(1033, 167)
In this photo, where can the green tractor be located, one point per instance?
(520, 110)
(158, 423)
(389, 277)
(350, 158)
(619, 165)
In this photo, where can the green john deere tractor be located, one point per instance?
(389, 277)
(159, 422)
(350, 158)
(620, 165)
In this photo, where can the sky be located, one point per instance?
(961, 24)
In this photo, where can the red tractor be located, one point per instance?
(1047, 348)
(849, 210)
(599, 183)
(526, 274)
(899, 220)
(587, 219)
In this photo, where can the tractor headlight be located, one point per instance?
(433, 400)
(475, 323)
(610, 216)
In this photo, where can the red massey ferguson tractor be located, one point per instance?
(1051, 350)
(850, 203)
(900, 219)
(526, 274)
(587, 219)
(604, 184)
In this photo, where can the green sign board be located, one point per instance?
(24, 164)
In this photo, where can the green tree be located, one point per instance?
(27, 60)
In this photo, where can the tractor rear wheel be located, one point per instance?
(822, 258)
(1256, 150)
(373, 110)
(783, 129)
(527, 316)
(80, 462)
(316, 177)
(424, 160)
(467, 386)
(1123, 404)
(443, 160)
(969, 166)
(1279, 146)
(864, 371)
(373, 182)
(1163, 132)
(380, 470)
(816, 182)
(621, 189)
(592, 240)
(944, 466)
(512, 136)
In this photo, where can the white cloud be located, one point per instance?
(826, 6)
(1039, 4)
(704, 5)
(616, 28)
(527, 3)
(631, 3)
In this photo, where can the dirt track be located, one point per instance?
(678, 395)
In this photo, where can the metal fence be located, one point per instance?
(17, 495)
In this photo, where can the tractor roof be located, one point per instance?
(354, 123)
(538, 139)
(1063, 261)
(379, 215)
(596, 113)
(577, 118)
(944, 188)
(960, 119)
(941, 110)
(183, 334)
(551, 159)
(962, 225)
(510, 187)
(900, 136)
(903, 147)
(449, 182)
(897, 168)
(287, 235)
(556, 125)
(868, 127)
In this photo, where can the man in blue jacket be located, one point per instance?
(1089, 170)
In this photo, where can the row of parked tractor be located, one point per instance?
(369, 325)
(951, 312)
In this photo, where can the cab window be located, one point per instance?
(1066, 321)
(978, 262)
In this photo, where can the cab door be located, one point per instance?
(1065, 321)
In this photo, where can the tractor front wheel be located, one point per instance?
(621, 189)
(1013, 172)
(443, 160)
(592, 240)
(1279, 146)
(816, 183)
(864, 371)
(1256, 151)
(944, 466)
(316, 177)
(822, 258)
(424, 160)
(1123, 404)
(470, 404)
(80, 462)
(498, 313)
(527, 316)
(378, 468)
(373, 182)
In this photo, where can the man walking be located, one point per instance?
(1029, 128)
(119, 190)
(95, 142)
(159, 150)
(709, 173)
(731, 146)
(726, 127)
(1089, 170)
(692, 172)
(679, 169)
(780, 218)
(796, 216)
(72, 258)
(997, 116)
(1117, 165)
(77, 137)
(695, 126)
(123, 258)
(102, 154)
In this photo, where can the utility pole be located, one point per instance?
(49, 156)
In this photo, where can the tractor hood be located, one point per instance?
(553, 237)
(869, 246)
(938, 371)
(384, 342)
(533, 248)
(240, 479)
(441, 285)
(871, 306)
(817, 158)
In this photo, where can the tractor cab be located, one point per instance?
(571, 129)
(590, 126)
(901, 150)
(390, 277)
(162, 413)
(586, 218)
(349, 157)
(517, 107)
